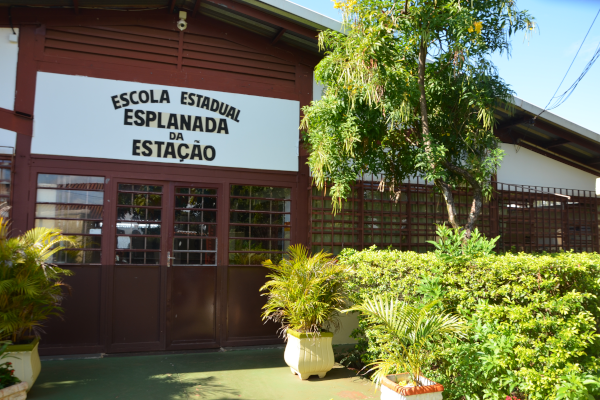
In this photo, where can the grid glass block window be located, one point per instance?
(139, 224)
(75, 205)
(195, 226)
(5, 181)
(259, 224)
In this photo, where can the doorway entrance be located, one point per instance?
(164, 281)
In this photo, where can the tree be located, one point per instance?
(410, 90)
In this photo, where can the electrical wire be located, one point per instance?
(557, 101)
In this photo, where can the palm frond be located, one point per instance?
(414, 328)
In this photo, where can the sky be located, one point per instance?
(538, 64)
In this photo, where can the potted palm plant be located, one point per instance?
(304, 295)
(414, 331)
(30, 292)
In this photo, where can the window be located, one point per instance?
(139, 217)
(195, 230)
(73, 204)
(259, 224)
(5, 180)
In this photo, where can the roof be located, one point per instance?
(279, 20)
(546, 133)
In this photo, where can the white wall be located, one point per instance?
(349, 322)
(526, 167)
(9, 53)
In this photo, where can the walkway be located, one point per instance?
(241, 374)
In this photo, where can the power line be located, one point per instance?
(564, 96)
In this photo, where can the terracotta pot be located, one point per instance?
(308, 354)
(14, 392)
(25, 361)
(390, 390)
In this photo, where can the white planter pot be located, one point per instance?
(390, 390)
(25, 361)
(14, 392)
(309, 355)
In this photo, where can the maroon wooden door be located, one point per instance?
(164, 281)
(192, 267)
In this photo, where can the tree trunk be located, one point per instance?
(450, 205)
(476, 204)
(475, 212)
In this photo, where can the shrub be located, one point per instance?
(533, 318)
(304, 291)
(30, 290)
(413, 330)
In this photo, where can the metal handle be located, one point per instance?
(169, 258)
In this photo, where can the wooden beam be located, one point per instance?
(555, 143)
(263, 16)
(594, 161)
(171, 6)
(514, 121)
(76, 6)
(278, 36)
(196, 7)
(571, 137)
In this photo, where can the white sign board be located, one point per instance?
(90, 117)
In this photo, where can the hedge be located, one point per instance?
(533, 318)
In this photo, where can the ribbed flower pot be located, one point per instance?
(390, 390)
(308, 354)
(25, 361)
(14, 392)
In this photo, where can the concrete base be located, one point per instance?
(250, 374)
(14, 392)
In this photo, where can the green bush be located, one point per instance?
(533, 318)
(31, 290)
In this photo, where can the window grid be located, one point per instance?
(5, 180)
(259, 224)
(139, 224)
(195, 227)
(73, 204)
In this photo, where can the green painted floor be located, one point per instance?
(244, 374)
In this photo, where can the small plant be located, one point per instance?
(30, 289)
(413, 332)
(7, 373)
(578, 386)
(452, 243)
(304, 292)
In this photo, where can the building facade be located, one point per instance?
(173, 157)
